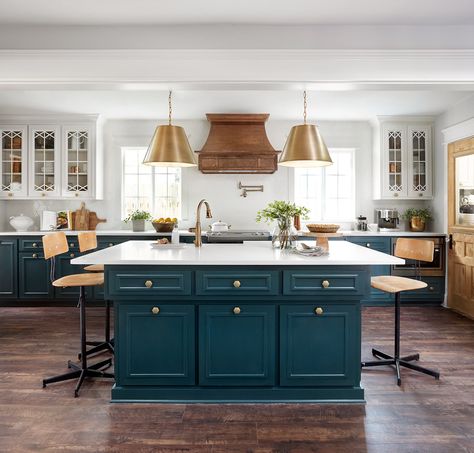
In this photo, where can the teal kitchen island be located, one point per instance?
(236, 322)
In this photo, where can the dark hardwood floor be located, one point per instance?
(423, 415)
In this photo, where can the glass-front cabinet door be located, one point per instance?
(45, 172)
(13, 179)
(77, 162)
(394, 158)
(419, 161)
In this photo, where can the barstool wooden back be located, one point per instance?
(415, 249)
(87, 240)
(54, 244)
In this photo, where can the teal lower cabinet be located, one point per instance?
(9, 269)
(63, 268)
(34, 273)
(319, 345)
(432, 294)
(156, 344)
(237, 344)
(190, 345)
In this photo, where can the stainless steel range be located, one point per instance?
(237, 236)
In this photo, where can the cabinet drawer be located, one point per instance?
(236, 344)
(372, 242)
(434, 292)
(237, 283)
(31, 244)
(103, 243)
(149, 283)
(319, 345)
(156, 345)
(330, 283)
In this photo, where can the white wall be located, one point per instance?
(460, 112)
(220, 190)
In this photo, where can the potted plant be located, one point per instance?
(283, 213)
(138, 218)
(417, 218)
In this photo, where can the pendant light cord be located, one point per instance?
(304, 106)
(169, 108)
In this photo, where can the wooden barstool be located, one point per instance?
(413, 249)
(55, 244)
(88, 241)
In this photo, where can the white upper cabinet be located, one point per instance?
(57, 158)
(403, 160)
(13, 161)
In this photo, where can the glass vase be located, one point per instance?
(284, 236)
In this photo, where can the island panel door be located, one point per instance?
(320, 344)
(34, 276)
(156, 344)
(8, 265)
(236, 344)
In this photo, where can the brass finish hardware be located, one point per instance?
(34, 245)
(319, 311)
(155, 310)
(368, 245)
(10, 194)
(431, 288)
(34, 255)
(148, 283)
(420, 194)
(395, 194)
(236, 310)
(71, 244)
(110, 244)
(236, 284)
(72, 255)
(325, 284)
(198, 240)
(43, 194)
(76, 194)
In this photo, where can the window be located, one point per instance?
(328, 191)
(153, 189)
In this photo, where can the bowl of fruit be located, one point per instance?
(164, 225)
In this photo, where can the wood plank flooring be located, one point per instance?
(424, 415)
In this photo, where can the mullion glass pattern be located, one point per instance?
(11, 178)
(419, 160)
(44, 164)
(395, 161)
(77, 161)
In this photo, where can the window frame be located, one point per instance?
(292, 188)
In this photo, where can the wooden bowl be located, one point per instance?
(322, 227)
(163, 227)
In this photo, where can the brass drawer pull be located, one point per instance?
(10, 194)
(148, 283)
(110, 244)
(71, 244)
(155, 310)
(34, 245)
(237, 284)
(34, 255)
(72, 255)
(236, 310)
(368, 245)
(325, 284)
(432, 288)
(318, 311)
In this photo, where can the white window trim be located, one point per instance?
(291, 186)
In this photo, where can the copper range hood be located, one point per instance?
(237, 143)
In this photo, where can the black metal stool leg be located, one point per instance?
(83, 370)
(396, 359)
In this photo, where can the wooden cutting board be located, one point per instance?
(81, 218)
(94, 220)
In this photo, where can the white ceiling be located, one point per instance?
(113, 12)
(282, 104)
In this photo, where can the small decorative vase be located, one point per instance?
(284, 236)
(417, 224)
(138, 225)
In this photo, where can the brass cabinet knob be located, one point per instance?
(76, 194)
(325, 284)
(395, 194)
(43, 194)
(319, 311)
(420, 194)
(155, 310)
(148, 283)
(10, 194)
(72, 255)
(236, 284)
(432, 288)
(110, 244)
(34, 245)
(368, 245)
(236, 310)
(71, 244)
(34, 255)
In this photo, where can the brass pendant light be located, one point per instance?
(304, 146)
(169, 146)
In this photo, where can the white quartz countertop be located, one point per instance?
(130, 233)
(341, 253)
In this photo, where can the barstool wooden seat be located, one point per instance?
(413, 249)
(55, 244)
(88, 241)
